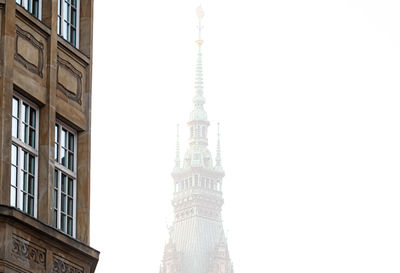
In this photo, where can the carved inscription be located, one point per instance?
(69, 80)
(62, 266)
(29, 51)
(28, 251)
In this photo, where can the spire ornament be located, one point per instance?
(200, 15)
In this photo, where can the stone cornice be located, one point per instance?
(48, 234)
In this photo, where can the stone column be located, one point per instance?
(6, 92)
(47, 120)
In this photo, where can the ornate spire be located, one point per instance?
(218, 156)
(177, 156)
(198, 112)
(200, 15)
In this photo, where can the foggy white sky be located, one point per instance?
(307, 94)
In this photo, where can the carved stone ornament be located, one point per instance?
(62, 266)
(26, 250)
(29, 51)
(75, 76)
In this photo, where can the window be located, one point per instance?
(68, 21)
(33, 6)
(65, 179)
(24, 156)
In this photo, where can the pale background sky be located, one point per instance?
(308, 97)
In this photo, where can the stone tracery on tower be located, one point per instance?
(197, 242)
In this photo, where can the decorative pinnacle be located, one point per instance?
(177, 156)
(218, 157)
(200, 15)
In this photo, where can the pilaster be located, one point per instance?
(6, 91)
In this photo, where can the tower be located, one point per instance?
(45, 135)
(197, 242)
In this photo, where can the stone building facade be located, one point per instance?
(197, 242)
(45, 135)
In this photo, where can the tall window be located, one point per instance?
(33, 6)
(68, 21)
(65, 179)
(24, 156)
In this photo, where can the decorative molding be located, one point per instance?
(28, 251)
(77, 74)
(22, 34)
(61, 265)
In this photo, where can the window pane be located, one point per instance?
(25, 162)
(71, 161)
(56, 133)
(69, 226)
(35, 8)
(14, 155)
(25, 181)
(62, 222)
(70, 206)
(63, 183)
(32, 120)
(64, 157)
(25, 133)
(25, 113)
(15, 107)
(15, 127)
(14, 176)
(30, 210)
(59, 25)
(31, 187)
(55, 218)
(19, 199)
(63, 202)
(71, 142)
(63, 138)
(73, 36)
(73, 16)
(24, 207)
(67, 11)
(13, 197)
(56, 152)
(31, 164)
(70, 187)
(55, 199)
(65, 29)
(32, 138)
(56, 179)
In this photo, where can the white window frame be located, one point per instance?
(21, 147)
(24, 4)
(63, 14)
(66, 171)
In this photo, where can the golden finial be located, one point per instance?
(200, 15)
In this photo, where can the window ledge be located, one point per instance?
(73, 49)
(47, 234)
(29, 16)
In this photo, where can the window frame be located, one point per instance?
(24, 147)
(29, 8)
(61, 169)
(63, 17)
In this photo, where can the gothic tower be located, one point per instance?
(197, 242)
